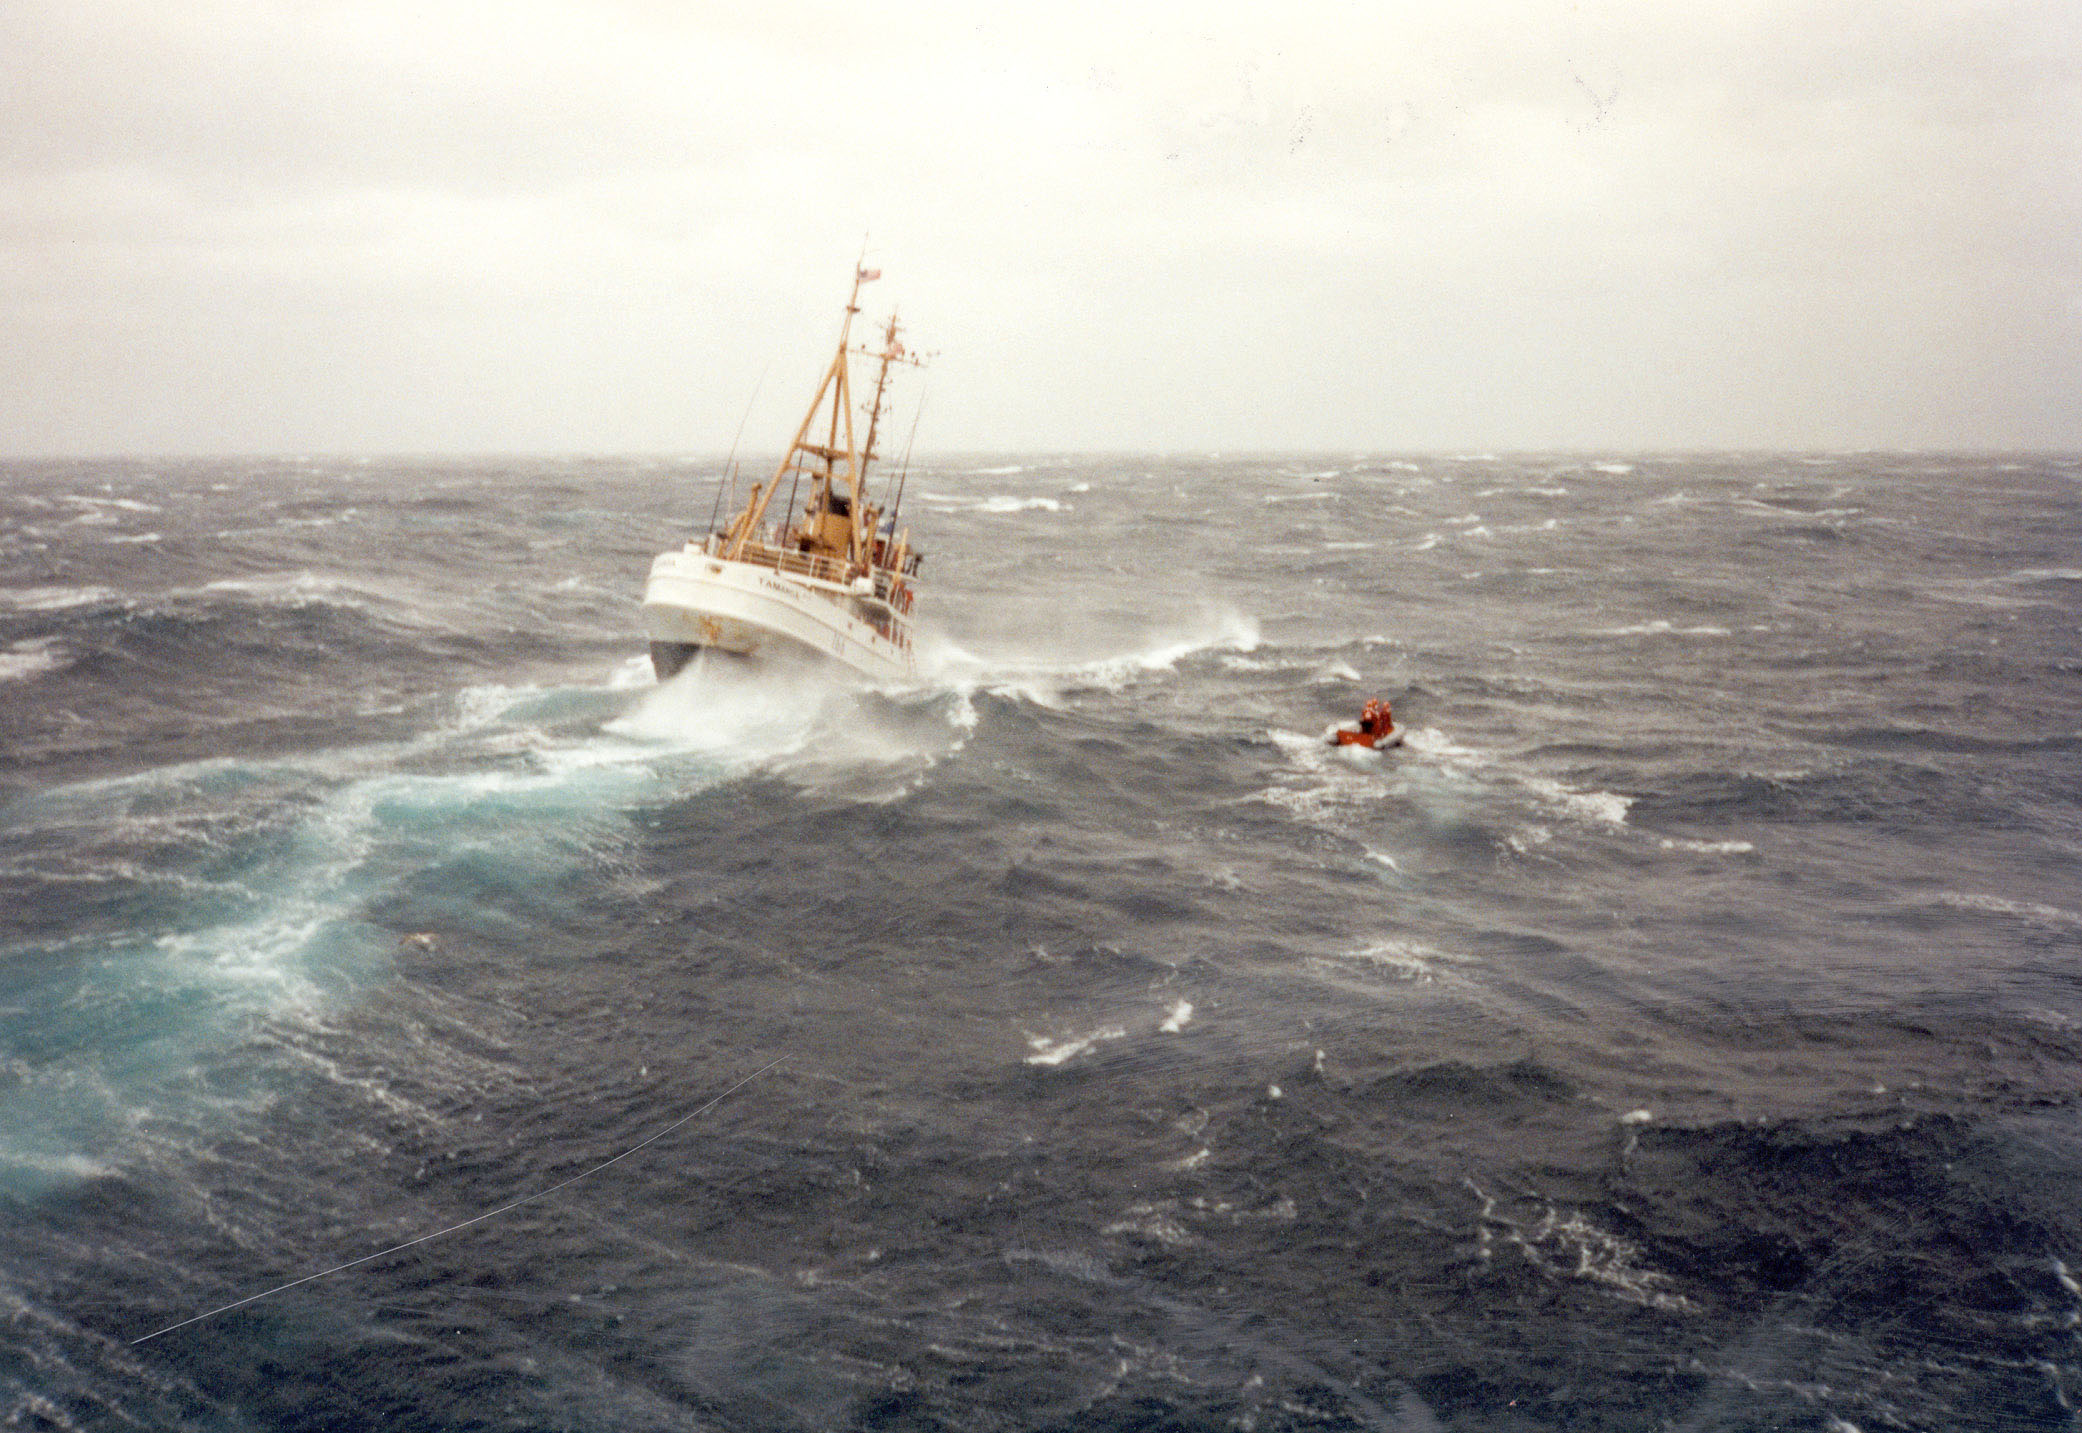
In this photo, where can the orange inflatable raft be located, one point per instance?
(1376, 729)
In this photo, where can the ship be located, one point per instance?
(826, 575)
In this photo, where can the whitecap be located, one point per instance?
(60, 1167)
(293, 589)
(1055, 1052)
(1707, 848)
(1408, 960)
(1338, 779)
(1661, 627)
(784, 717)
(996, 505)
(635, 673)
(1153, 1222)
(1437, 745)
(30, 659)
(54, 599)
(1608, 807)
(1571, 1246)
(2030, 912)
(1222, 629)
(122, 504)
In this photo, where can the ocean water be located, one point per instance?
(1681, 1031)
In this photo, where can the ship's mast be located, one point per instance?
(837, 384)
(892, 351)
(818, 529)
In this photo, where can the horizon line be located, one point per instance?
(1469, 452)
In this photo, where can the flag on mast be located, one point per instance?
(868, 275)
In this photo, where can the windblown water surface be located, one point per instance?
(1681, 1031)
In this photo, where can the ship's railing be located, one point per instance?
(826, 569)
(780, 559)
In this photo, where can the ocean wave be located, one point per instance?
(1407, 960)
(463, 827)
(787, 721)
(1325, 784)
(302, 588)
(1436, 749)
(1440, 747)
(996, 505)
(2034, 913)
(27, 660)
(1661, 627)
(1046, 679)
(131, 505)
(1602, 807)
(1566, 1244)
(56, 599)
(1798, 974)
(1058, 1050)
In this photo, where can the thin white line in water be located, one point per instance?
(474, 1219)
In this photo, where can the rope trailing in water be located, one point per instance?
(474, 1219)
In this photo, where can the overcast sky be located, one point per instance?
(601, 226)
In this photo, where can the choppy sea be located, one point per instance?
(1680, 1032)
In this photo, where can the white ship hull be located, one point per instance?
(831, 580)
(695, 601)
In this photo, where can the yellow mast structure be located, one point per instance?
(841, 529)
(837, 385)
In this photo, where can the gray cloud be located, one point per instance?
(584, 226)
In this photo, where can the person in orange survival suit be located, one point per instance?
(1376, 726)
